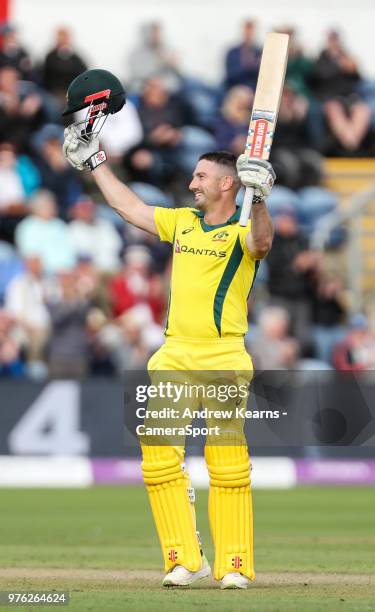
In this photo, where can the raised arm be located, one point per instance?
(123, 200)
(258, 174)
(259, 239)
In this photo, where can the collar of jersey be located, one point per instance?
(207, 228)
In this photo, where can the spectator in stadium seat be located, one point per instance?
(25, 302)
(103, 337)
(21, 109)
(92, 285)
(56, 174)
(242, 61)
(336, 78)
(336, 71)
(300, 66)
(61, 65)
(271, 346)
(12, 53)
(170, 142)
(328, 308)
(44, 235)
(68, 345)
(233, 122)
(356, 352)
(161, 113)
(162, 117)
(291, 266)
(296, 163)
(94, 237)
(140, 337)
(131, 285)
(11, 364)
(160, 251)
(123, 344)
(299, 74)
(18, 180)
(136, 285)
(150, 58)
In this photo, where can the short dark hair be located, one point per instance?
(224, 158)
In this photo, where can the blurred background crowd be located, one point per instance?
(83, 294)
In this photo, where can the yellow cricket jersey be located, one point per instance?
(212, 274)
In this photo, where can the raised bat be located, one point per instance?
(266, 106)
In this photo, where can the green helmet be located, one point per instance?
(93, 85)
(101, 93)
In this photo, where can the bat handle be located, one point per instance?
(246, 206)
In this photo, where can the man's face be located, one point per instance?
(45, 208)
(84, 210)
(7, 155)
(286, 225)
(207, 183)
(34, 266)
(154, 93)
(63, 38)
(8, 80)
(155, 35)
(248, 32)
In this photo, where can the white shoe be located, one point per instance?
(234, 580)
(180, 576)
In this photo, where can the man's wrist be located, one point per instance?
(95, 160)
(259, 199)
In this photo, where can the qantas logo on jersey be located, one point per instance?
(183, 248)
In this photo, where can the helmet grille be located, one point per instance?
(96, 115)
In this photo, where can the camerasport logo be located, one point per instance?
(259, 138)
(187, 230)
(220, 237)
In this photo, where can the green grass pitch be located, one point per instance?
(314, 550)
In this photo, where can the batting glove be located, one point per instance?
(82, 153)
(256, 173)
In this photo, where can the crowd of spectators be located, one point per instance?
(83, 294)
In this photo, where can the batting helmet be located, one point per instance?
(100, 92)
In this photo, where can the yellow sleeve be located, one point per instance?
(165, 221)
(243, 233)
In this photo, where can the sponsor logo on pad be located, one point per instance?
(237, 562)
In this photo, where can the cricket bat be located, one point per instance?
(266, 106)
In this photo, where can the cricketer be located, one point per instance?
(214, 265)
